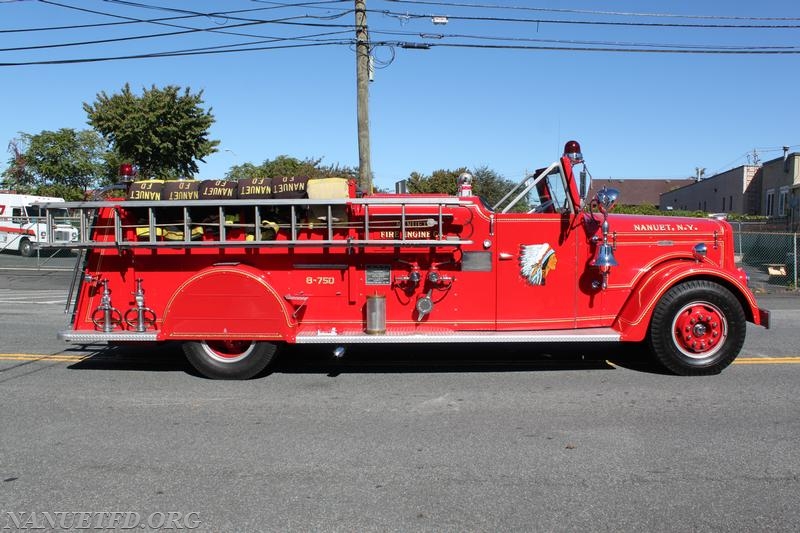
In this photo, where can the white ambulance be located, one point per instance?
(23, 224)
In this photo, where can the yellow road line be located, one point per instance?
(41, 357)
(789, 360)
(767, 360)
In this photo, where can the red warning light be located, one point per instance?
(572, 150)
(126, 170)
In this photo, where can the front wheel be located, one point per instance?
(224, 359)
(697, 328)
(26, 248)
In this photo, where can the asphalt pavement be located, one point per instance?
(422, 447)
(455, 438)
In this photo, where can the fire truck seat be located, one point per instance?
(258, 189)
(208, 217)
(172, 217)
(328, 189)
(146, 190)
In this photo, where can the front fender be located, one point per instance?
(227, 302)
(634, 317)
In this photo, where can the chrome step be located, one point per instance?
(101, 336)
(395, 337)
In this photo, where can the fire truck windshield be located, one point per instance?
(543, 192)
(549, 194)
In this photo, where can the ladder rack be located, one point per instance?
(333, 228)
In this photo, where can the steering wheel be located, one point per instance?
(541, 208)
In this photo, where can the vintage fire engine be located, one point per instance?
(235, 270)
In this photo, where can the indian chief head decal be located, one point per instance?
(536, 261)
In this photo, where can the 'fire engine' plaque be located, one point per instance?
(378, 275)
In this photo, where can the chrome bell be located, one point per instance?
(604, 257)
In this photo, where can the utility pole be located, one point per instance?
(362, 96)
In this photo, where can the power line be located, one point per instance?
(508, 42)
(310, 37)
(316, 5)
(408, 15)
(170, 54)
(243, 47)
(184, 29)
(263, 39)
(85, 26)
(186, 13)
(124, 39)
(748, 154)
(132, 20)
(576, 41)
(426, 45)
(588, 11)
(238, 47)
(189, 12)
(775, 148)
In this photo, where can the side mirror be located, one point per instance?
(584, 185)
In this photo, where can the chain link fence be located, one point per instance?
(769, 258)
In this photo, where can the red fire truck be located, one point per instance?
(233, 271)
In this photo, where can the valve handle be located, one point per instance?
(106, 319)
(140, 319)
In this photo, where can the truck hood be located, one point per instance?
(649, 238)
(684, 226)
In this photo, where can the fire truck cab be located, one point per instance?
(233, 271)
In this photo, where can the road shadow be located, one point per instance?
(166, 357)
(382, 359)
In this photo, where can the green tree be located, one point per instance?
(440, 181)
(163, 131)
(284, 165)
(58, 163)
(625, 209)
(245, 170)
(486, 183)
(492, 186)
(17, 176)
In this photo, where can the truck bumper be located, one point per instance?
(763, 317)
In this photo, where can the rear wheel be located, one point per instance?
(225, 359)
(698, 328)
(26, 248)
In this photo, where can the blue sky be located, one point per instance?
(635, 114)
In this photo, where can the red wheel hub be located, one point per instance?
(699, 329)
(228, 350)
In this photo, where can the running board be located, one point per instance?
(359, 337)
(555, 336)
(89, 337)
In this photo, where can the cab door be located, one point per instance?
(536, 255)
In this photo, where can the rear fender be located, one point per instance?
(634, 318)
(227, 302)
